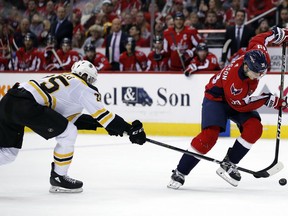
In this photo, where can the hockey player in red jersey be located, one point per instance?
(180, 41)
(53, 108)
(27, 57)
(202, 61)
(158, 58)
(228, 96)
(131, 59)
(65, 57)
(47, 56)
(97, 59)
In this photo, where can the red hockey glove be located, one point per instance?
(190, 69)
(276, 102)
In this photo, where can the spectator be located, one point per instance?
(107, 9)
(229, 16)
(257, 7)
(62, 27)
(203, 61)
(88, 17)
(26, 57)
(236, 37)
(19, 35)
(215, 5)
(36, 25)
(95, 36)
(115, 44)
(283, 18)
(31, 10)
(135, 32)
(263, 26)
(195, 21)
(131, 59)
(41, 7)
(65, 57)
(127, 22)
(6, 36)
(97, 59)
(159, 28)
(158, 58)
(179, 41)
(78, 39)
(143, 24)
(50, 12)
(45, 32)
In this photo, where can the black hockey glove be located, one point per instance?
(136, 133)
(114, 133)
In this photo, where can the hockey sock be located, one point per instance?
(238, 151)
(187, 163)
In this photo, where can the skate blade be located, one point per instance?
(224, 175)
(174, 185)
(57, 189)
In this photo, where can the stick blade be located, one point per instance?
(269, 171)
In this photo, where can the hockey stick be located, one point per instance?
(259, 174)
(178, 51)
(279, 121)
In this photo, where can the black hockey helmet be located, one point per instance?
(28, 36)
(256, 61)
(157, 39)
(50, 39)
(66, 41)
(202, 46)
(89, 47)
(179, 15)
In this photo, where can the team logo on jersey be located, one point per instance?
(234, 90)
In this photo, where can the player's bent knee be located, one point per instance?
(205, 141)
(252, 130)
(69, 135)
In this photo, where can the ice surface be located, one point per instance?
(121, 179)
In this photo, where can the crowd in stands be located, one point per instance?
(38, 35)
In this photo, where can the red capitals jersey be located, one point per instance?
(67, 59)
(231, 84)
(210, 63)
(135, 62)
(100, 62)
(185, 40)
(158, 64)
(25, 60)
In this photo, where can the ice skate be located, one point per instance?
(64, 184)
(229, 172)
(177, 180)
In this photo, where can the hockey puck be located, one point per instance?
(282, 181)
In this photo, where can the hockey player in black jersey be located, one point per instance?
(52, 107)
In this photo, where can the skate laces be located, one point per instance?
(230, 167)
(68, 179)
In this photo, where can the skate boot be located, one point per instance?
(229, 172)
(177, 180)
(64, 184)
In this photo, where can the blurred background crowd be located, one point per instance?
(131, 35)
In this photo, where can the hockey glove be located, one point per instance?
(136, 133)
(279, 35)
(190, 69)
(276, 102)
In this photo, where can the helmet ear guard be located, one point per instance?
(85, 68)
